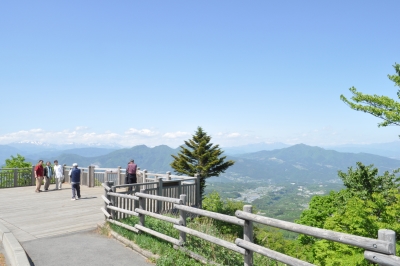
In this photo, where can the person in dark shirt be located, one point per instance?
(48, 174)
(75, 182)
(130, 176)
(39, 175)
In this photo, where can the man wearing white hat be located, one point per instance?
(75, 182)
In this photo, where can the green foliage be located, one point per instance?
(214, 203)
(364, 180)
(380, 106)
(369, 203)
(17, 162)
(24, 174)
(200, 156)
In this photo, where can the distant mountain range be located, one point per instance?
(297, 163)
(303, 163)
(262, 146)
(388, 149)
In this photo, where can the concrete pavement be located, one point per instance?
(86, 248)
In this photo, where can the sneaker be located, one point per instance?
(77, 198)
(73, 199)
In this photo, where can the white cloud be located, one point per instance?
(234, 135)
(80, 128)
(141, 132)
(174, 135)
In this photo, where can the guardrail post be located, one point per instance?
(168, 175)
(112, 199)
(91, 176)
(33, 176)
(180, 187)
(142, 206)
(106, 195)
(160, 193)
(15, 177)
(248, 236)
(135, 202)
(144, 176)
(120, 182)
(198, 195)
(390, 236)
(182, 220)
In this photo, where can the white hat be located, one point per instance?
(74, 164)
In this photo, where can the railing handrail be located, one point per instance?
(381, 250)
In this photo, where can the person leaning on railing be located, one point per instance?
(39, 175)
(130, 175)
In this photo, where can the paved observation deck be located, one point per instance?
(29, 215)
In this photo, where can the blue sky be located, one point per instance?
(150, 72)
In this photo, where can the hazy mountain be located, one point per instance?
(84, 152)
(6, 151)
(155, 159)
(297, 163)
(262, 146)
(303, 163)
(39, 147)
(389, 149)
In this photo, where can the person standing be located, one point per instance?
(75, 182)
(39, 175)
(130, 176)
(48, 174)
(58, 174)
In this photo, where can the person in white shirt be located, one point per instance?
(59, 175)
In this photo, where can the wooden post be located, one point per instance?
(107, 196)
(120, 182)
(135, 202)
(142, 206)
(390, 236)
(112, 198)
(168, 175)
(33, 176)
(182, 220)
(159, 193)
(248, 236)
(180, 187)
(15, 177)
(198, 192)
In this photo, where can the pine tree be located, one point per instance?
(200, 156)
